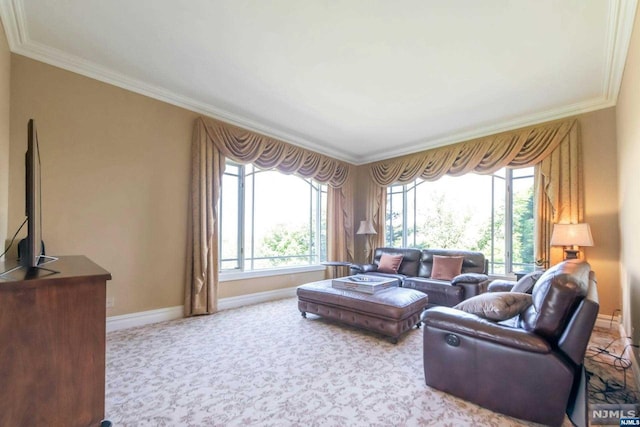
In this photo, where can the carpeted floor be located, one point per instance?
(609, 371)
(264, 365)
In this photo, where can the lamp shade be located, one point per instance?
(366, 227)
(571, 235)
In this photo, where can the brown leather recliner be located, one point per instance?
(529, 368)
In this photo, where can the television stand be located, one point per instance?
(52, 360)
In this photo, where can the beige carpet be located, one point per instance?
(264, 365)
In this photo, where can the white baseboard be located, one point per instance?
(604, 321)
(242, 300)
(125, 321)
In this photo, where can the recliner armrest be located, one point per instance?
(362, 268)
(501, 285)
(459, 322)
(469, 278)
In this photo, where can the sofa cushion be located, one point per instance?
(390, 263)
(474, 262)
(410, 259)
(496, 305)
(440, 292)
(446, 267)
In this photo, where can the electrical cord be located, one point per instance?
(609, 390)
(14, 238)
(613, 315)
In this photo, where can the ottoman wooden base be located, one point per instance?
(391, 312)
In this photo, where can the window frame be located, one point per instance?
(409, 190)
(245, 263)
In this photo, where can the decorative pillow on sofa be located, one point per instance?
(446, 267)
(496, 305)
(390, 263)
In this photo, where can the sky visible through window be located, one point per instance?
(280, 220)
(467, 212)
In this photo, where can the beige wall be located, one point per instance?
(115, 168)
(362, 183)
(598, 135)
(235, 288)
(628, 133)
(5, 73)
(599, 155)
(114, 172)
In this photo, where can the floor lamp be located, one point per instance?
(366, 228)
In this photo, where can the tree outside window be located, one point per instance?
(492, 214)
(268, 219)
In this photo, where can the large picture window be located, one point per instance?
(492, 214)
(270, 220)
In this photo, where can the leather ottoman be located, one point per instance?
(390, 312)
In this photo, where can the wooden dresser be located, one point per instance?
(52, 344)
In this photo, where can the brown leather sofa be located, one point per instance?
(528, 367)
(416, 267)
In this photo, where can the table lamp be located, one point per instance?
(571, 236)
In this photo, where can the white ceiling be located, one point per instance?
(360, 80)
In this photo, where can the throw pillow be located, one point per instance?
(496, 305)
(390, 263)
(446, 267)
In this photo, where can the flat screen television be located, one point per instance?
(31, 255)
(33, 247)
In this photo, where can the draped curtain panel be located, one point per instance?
(340, 237)
(213, 142)
(376, 210)
(560, 194)
(552, 148)
(202, 236)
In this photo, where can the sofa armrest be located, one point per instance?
(362, 268)
(469, 278)
(472, 326)
(501, 285)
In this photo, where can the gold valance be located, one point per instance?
(524, 147)
(245, 146)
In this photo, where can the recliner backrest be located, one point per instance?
(556, 295)
(410, 259)
(474, 262)
(575, 338)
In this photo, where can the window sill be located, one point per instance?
(511, 278)
(228, 276)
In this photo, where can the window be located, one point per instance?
(267, 219)
(492, 214)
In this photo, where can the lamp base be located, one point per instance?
(570, 254)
